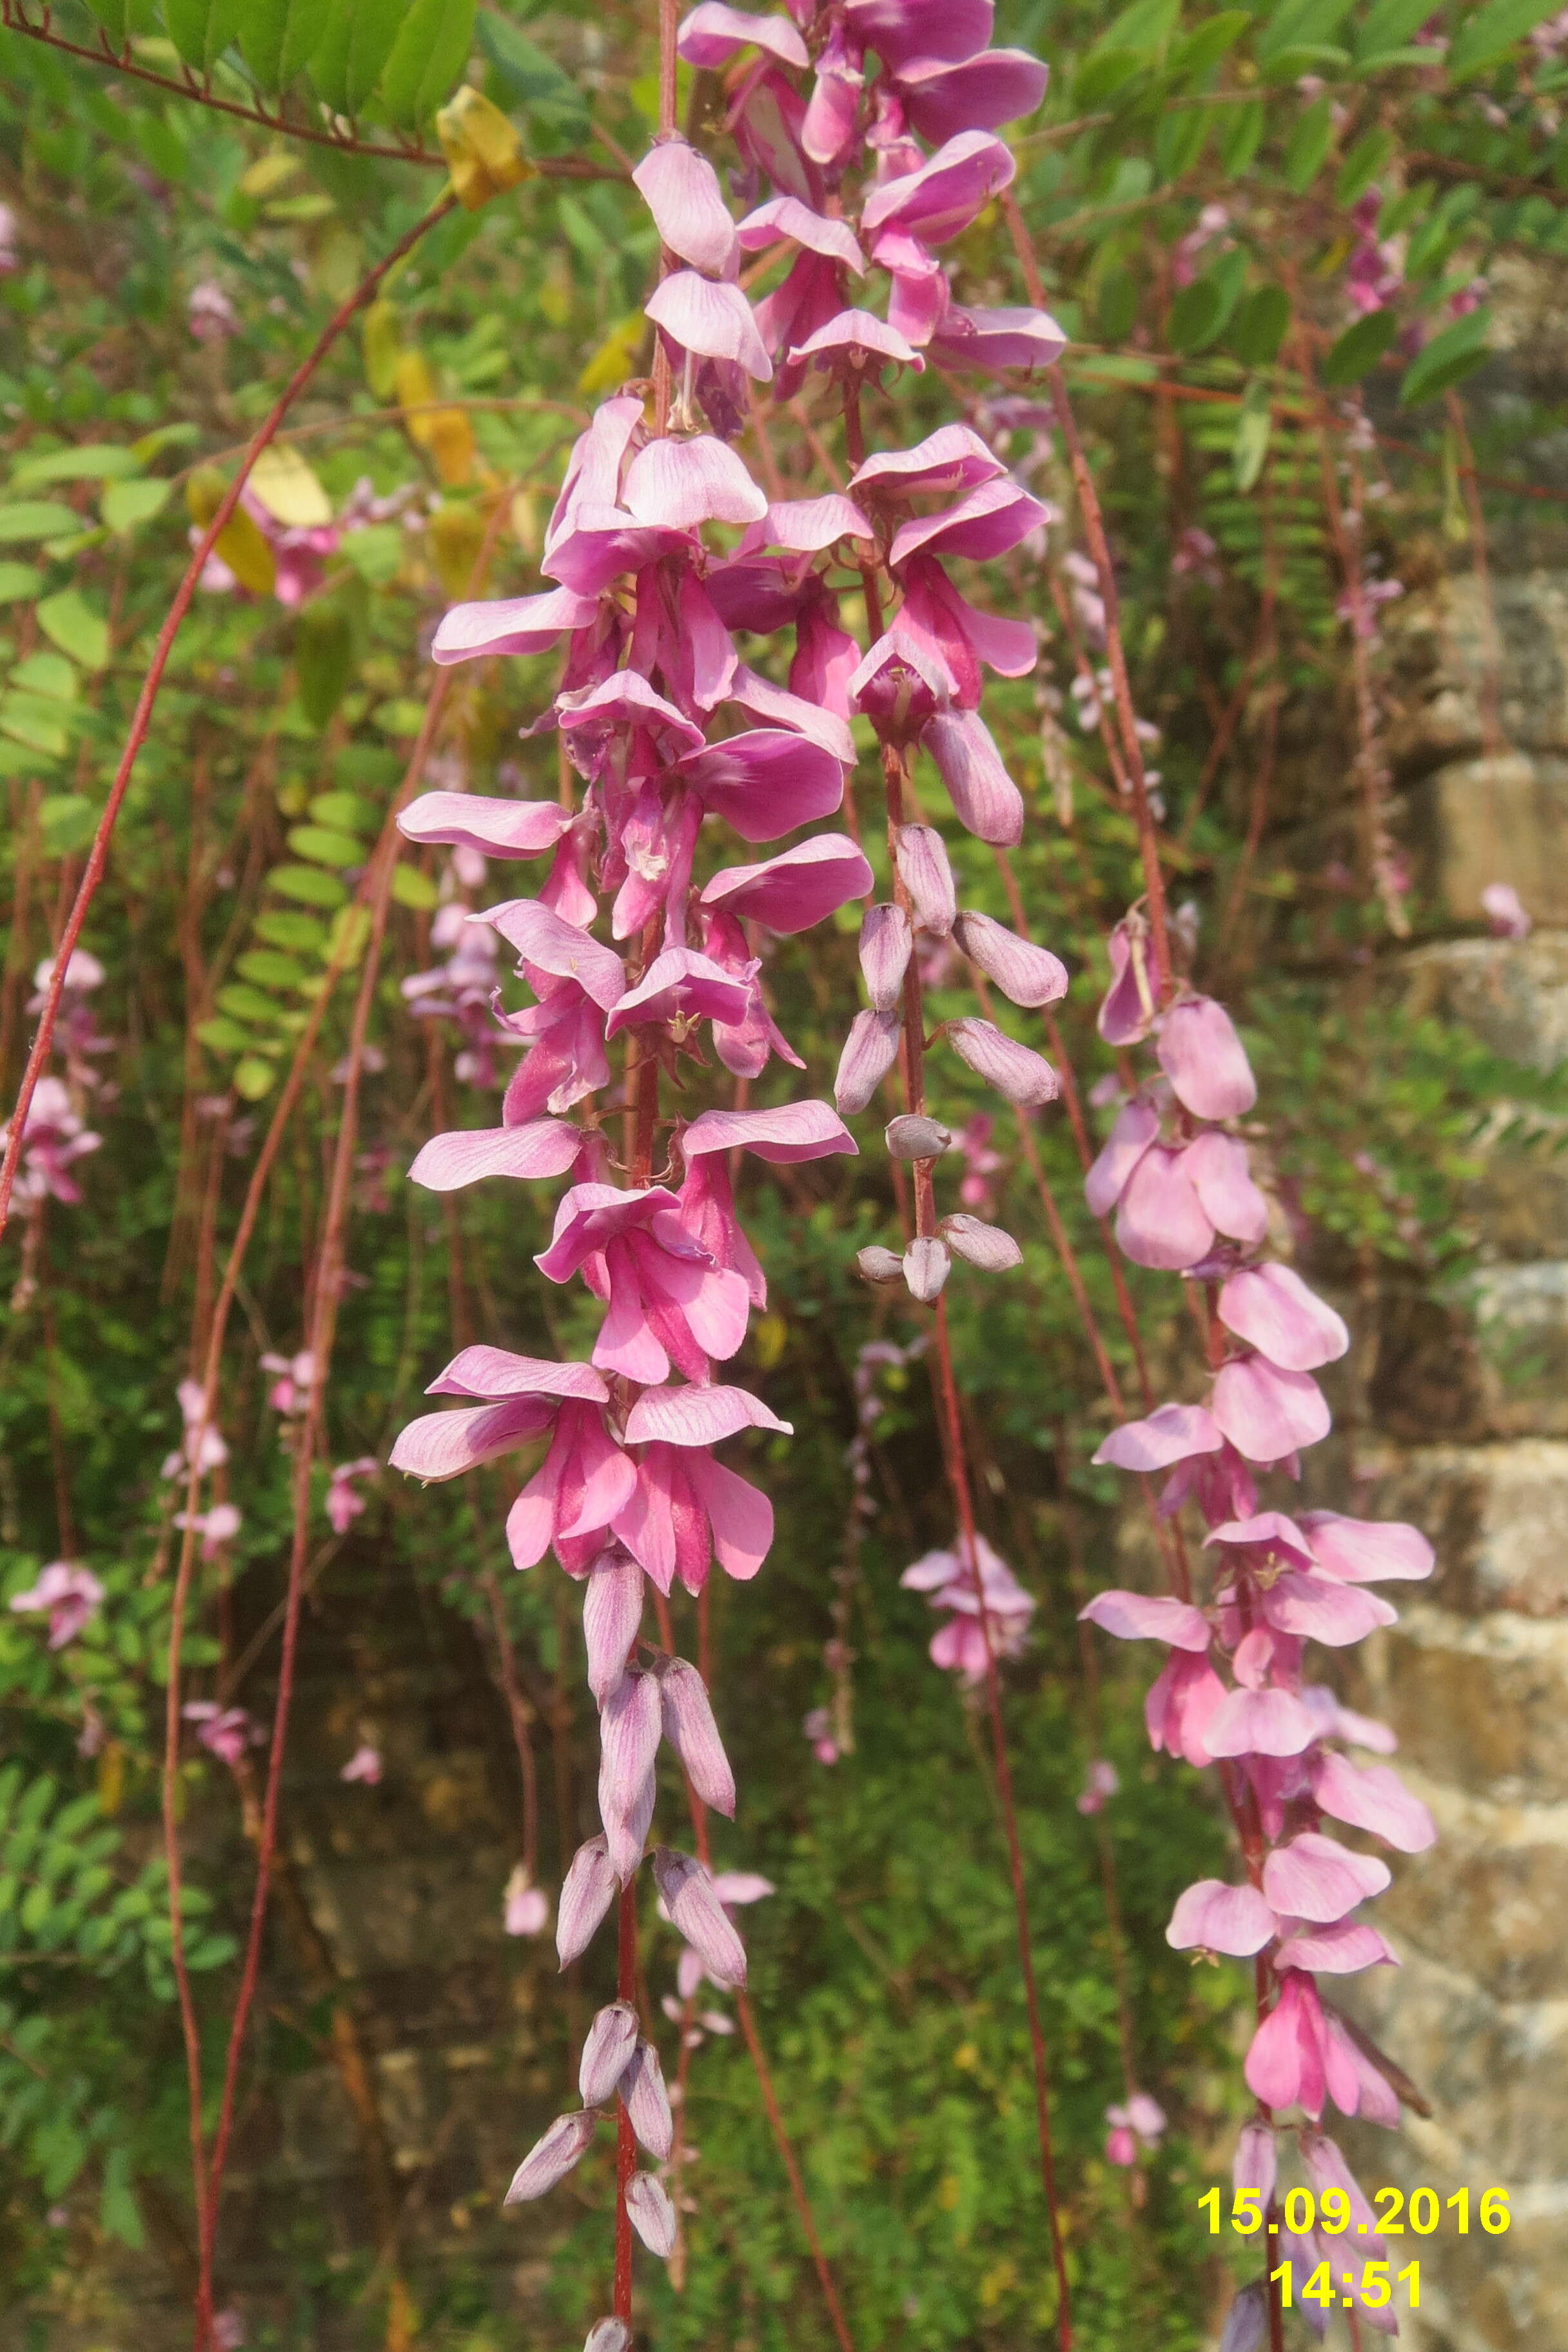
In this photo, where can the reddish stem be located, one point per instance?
(98, 855)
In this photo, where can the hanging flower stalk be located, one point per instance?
(1234, 1692)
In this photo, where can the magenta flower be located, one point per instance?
(54, 1136)
(1134, 2129)
(224, 1732)
(68, 1595)
(949, 1582)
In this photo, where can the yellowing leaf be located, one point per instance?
(381, 342)
(287, 487)
(443, 432)
(483, 150)
(457, 535)
(616, 356)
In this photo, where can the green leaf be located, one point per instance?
(221, 1036)
(411, 888)
(353, 49)
(243, 1002)
(125, 504)
(1390, 27)
(1194, 316)
(1251, 447)
(1202, 48)
(67, 821)
(323, 846)
(1360, 348)
(117, 2209)
(17, 580)
(346, 811)
(1361, 167)
(1180, 140)
(35, 519)
(429, 55)
(323, 661)
(68, 621)
(1259, 326)
(1298, 25)
(1242, 135)
(95, 461)
(1455, 353)
(270, 968)
(279, 39)
(376, 552)
(1490, 34)
(114, 15)
(535, 82)
(38, 725)
(1147, 24)
(253, 1078)
(308, 885)
(202, 29)
(281, 930)
(47, 674)
(1309, 143)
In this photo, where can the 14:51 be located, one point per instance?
(1372, 2289)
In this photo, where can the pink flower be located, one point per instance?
(947, 1579)
(1506, 916)
(1134, 2128)
(223, 1732)
(343, 1505)
(817, 1727)
(1101, 1782)
(212, 315)
(69, 1595)
(53, 1138)
(290, 1393)
(364, 1765)
(527, 1906)
(216, 1527)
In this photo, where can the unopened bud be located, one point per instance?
(879, 1265)
(887, 942)
(912, 1136)
(926, 1267)
(987, 1246)
(922, 858)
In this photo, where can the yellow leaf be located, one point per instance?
(445, 433)
(457, 535)
(525, 522)
(770, 1340)
(287, 487)
(381, 342)
(616, 356)
(483, 150)
(112, 1778)
(241, 543)
(269, 172)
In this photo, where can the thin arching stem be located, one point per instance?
(98, 855)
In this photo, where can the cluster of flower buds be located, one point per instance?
(1233, 1693)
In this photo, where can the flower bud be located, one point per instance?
(606, 2053)
(647, 2101)
(926, 1267)
(1019, 1073)
(695, 1909)
(985, 800)
(987, 1246)
(608, 2335)
(612, 1612)
(587, 1895)
(689, 1725)
(1028, 974)
(1246, 2322)
(920, 856)
(551, 2159)
(651, 2213)
(869, 1052)
(629, 1723)
(885, 944)
(913, 1137)
(879, 1264)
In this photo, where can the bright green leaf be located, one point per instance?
(282, 930)
(202, 29)
(348, 61)
(1454, 354)
(308, 884)
(98, 461)
(346, 811)
(68, 621)
(429, 55)
(18, 581)
(1361, 346)
(323, 846)
(1251, 447)
(35, 519)
(279, 39)
(1309, 143)
(253, 1078)
(67, 821)
(125, 504)
(1486, 37)
(411, 888)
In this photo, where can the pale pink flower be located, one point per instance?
(364, 1765)
(224, 1731)
(69, 1595)
(526, 1910)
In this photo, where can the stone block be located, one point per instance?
(1479, 1703)
(1439, 644)
(1494, 1889)
(1522, 1346)
(1503, 819)
(1496, 1515)
(1513, 993)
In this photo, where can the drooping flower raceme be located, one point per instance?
(1234, 1692)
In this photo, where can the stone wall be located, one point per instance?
(1464, 1428)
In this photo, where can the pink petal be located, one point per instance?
(510, 625)
(766, 782)
(901, 29)
(1315, 1877)
(553, 2156)
(989, 522)
(590, 1216)
(1218, 1168)
(1172, 1432)
(445, 1444)
(543, 1147)
(1128, 1005)
(1338, 1949)
(1372, 1797)
(1019, 1075)
(985, 800)
(860, 336)
(740, 1515)
(682, 483)
(1027, 974)
(1256, 2164)
(792, 892)
(955, 457)
(1367, 1551)
(1267, 1413)
(1271, 1307)
(680, 189)
(786, 216)
(1277, 1536)
(805, 526)
(1323, 1609)
(560, 949)
(586, 1893)
(681, 985)
(1148, 1617)
(886, 943)
(1259, 1723)
(1159, 1220)
(494, 1373)
(992, 339)
(1204, 1060)
(626, 698)
(712, 319)
(1137, 1125)
(691, 1731)
(498, 828)
(1284, 2064)
(920, 856)
(798, 1130)
(712, 33)
(606, 2053)
(697, 1416)
(978, 93)
(612, 1612)
(774, 705)
(946, 195)
(1216, 1917)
